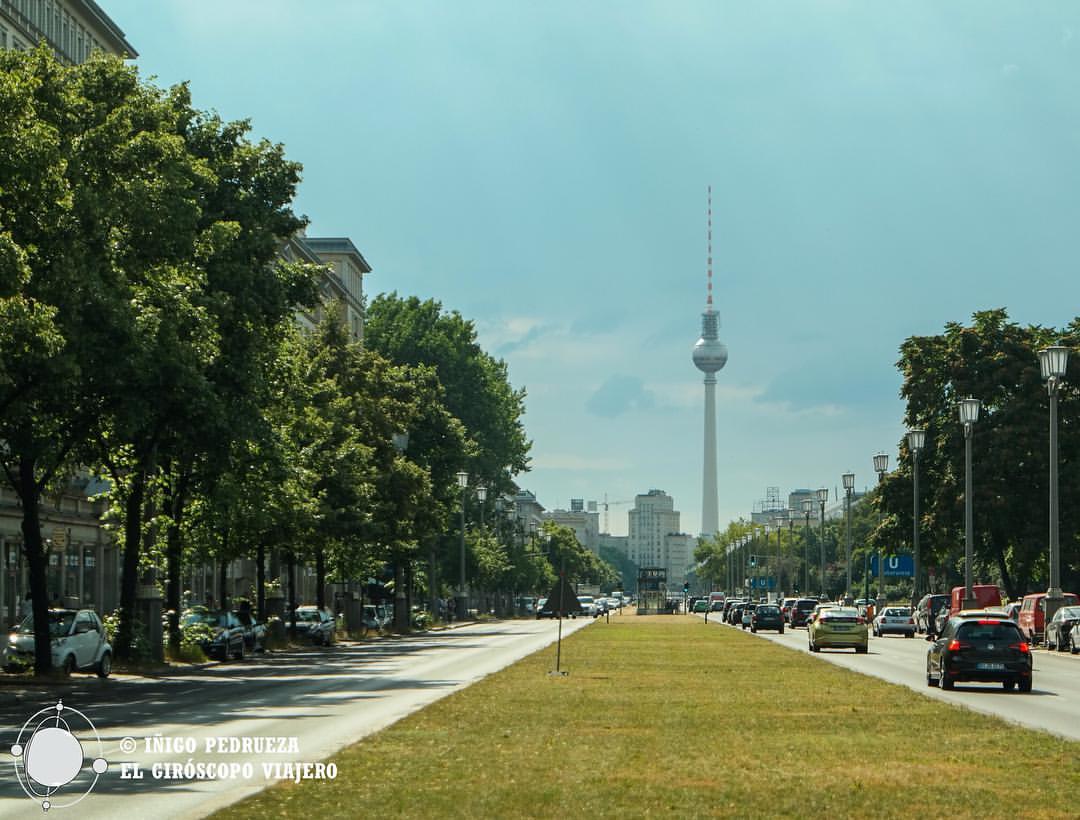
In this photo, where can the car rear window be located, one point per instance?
(895, 612)
(989, 631)
(767, 610)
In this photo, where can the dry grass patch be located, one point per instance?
(664, 715)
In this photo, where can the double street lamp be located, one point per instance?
(822, 497)
(807, 508)
(1052, 362)
(916, 440)
(849, 485)
(881, 464)
(969, 414)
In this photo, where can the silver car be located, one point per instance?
(79, 643)
(317, 625)
(895, 620)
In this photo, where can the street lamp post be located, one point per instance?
(969, 414)
(461, 601)
(881, 464)
(807, 507)
(822, 497)
(916, 441)
(849, 485)
(791, 542)
(1052, 362)
(400, 440)
(481, 494)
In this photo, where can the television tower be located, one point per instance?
(710, 355)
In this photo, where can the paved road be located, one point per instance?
(1053, 705)
(316, 701)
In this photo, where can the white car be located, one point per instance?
(895, 619)
(588, 605)
(78, 642)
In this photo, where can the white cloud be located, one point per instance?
(1010, 70)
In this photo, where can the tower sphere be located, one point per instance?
(710, 355)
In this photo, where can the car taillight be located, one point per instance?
(1022, 646)
(860, 620)
(956, 646)
(911, 620)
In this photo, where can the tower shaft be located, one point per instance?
(710, 516)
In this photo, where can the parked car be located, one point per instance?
(767, 616)
(254, 631)
(314, 624)
(223, 636)
(838, 628)
(979, 649)
(927, 610)
(79, 643)
(1059, 630)
(801, 610)
(1013, 610)
(1032, 618)
(895, 620)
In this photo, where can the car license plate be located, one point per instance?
(990, 667)
(839, 628)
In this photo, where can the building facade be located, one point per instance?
(71, 28)
(655, 539)
(585, 523)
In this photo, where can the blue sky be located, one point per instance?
(878, 170)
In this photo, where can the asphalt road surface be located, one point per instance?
(294, 707)
(1053, 704)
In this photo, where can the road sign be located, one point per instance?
(59, 538)
(896, 566)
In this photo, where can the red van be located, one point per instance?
(1032, 617)
(988, 596)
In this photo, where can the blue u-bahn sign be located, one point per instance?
(896, 566)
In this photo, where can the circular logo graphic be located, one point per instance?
(49, 755)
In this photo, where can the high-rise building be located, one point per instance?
(710, 356)
(585, 524)
(655, 539)
(71, 28)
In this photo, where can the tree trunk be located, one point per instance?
(174, 557)
(320, 578)
(133, 509)
(223, 581)
(1003, 566)
(260, 581)
(290, 562)
(35, 556)
(401, 615)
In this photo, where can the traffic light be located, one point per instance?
(753, 560)
(685, 587)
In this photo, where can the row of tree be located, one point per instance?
(147, 332)
(995, 360)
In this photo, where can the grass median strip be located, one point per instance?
(667, 715)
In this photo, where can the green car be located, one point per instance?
(701, 605)
(840, 628)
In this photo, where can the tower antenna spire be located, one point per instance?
(708, 300)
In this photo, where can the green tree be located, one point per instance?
(994, 360)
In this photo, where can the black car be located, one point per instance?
(767, 616)
(801, 610)
(927, 611)
(983, 649)
(220, 634)
(1060, 627)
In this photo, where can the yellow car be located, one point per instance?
(839, 628)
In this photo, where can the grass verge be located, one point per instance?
(664, 715)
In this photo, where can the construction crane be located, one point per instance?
(606, 504)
